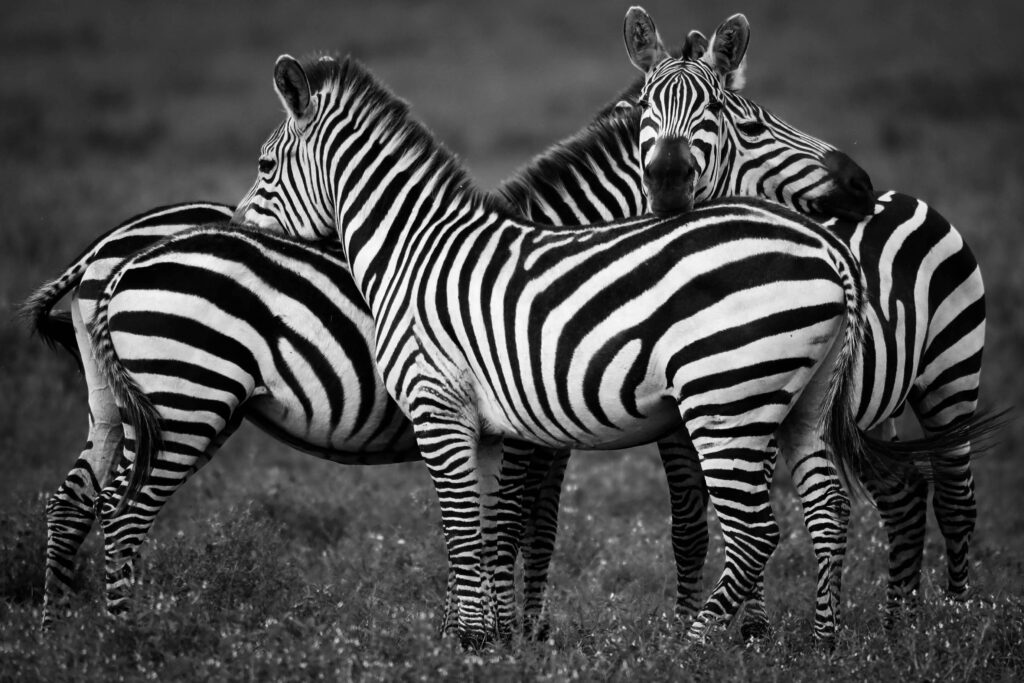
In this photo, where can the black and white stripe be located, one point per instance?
(582, 338)
(217, 324)
(927, 315)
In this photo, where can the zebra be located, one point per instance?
(205, 349)
(700, 139)
(199, 278)
(472, 336)
(596, 175)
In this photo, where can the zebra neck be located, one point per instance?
(388, 217)
(589, 177)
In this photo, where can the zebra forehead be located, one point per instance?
(673, 71)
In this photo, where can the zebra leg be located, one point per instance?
(733, 468)
(69, 517)
(689, 501)
(826, 509)
(447, 439)
(901, 503)
(505, 515)
(953, 502)
(541, 497)
(70, 511)
(125, 531)
(755, 612)
(956, 512)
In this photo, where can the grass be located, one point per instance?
(271, 565)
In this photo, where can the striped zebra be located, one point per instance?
(189, 314)
(211, 326)
(700, 139)
(70, 510)
(488, 325)
(594, 176)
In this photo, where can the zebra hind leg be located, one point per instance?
(70, 512)
(901, 503)
(541, 498)
(689, 505)
(755, 624)
(901, 500)
(733, 467)
(124, 531)
(826, 511)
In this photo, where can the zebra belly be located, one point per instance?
(659, 417)
(385, 438)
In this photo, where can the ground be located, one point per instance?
(275, 565)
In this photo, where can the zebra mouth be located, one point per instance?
(671, 203)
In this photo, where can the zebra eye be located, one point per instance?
(751, 129)
(267, 165)
(715, 107)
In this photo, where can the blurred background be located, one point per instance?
(108, 109)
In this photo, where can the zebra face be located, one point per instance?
(682, 101)
(680, 128)
(289, 194)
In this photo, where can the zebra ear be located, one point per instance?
(642, 40)
(695, 46)
(727, 51)
(293, 88)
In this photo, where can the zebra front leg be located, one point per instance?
(447, 440)
(540, 513)
(688, 496)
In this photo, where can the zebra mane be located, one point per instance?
(630, 94)
(613, 128)
(386, 112)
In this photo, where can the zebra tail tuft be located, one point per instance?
(136, 408)
(977, 433)
(53, 328)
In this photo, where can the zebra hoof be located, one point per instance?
(755, 629)
(537, 630)
(825, 645)
(959, 593)
(475, 641)
(704, 629)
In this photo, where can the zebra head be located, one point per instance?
(700, 139)
(680, 124)
(290, 194)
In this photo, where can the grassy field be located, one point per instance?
(273, 565)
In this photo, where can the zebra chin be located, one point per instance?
(669, 203)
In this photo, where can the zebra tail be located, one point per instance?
(838, 417)
(978, 432)
(54, 328)
(136, 408)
